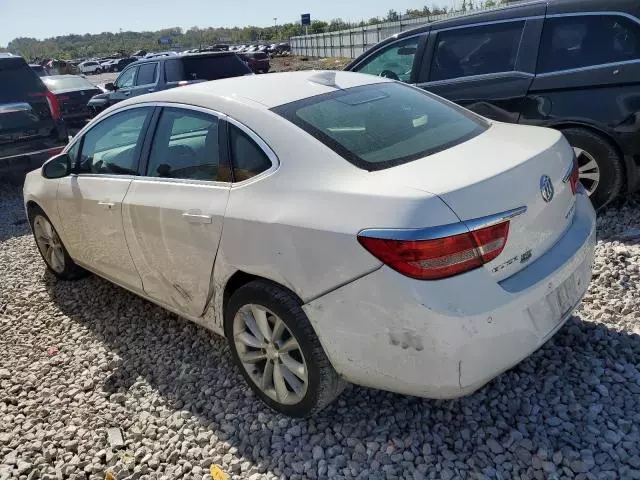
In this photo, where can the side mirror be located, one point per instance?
(110, 86)
(407, 51)
(57, 167)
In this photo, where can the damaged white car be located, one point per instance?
(333, 227)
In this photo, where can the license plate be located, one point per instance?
(548, 312)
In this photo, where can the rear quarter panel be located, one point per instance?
(298, 226)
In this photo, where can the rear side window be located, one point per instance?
(247, 158)
(147, 74)
(17, 80)
(185, 145)
(583, 41)
(205, 68)
(476, 50)
(382, 125)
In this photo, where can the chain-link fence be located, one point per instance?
(351, 43)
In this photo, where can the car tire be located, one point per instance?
(97, 71)
(51, 248)
(292, 347)
(601, 168)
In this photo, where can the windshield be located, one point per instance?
(383, 125)
(65, 84)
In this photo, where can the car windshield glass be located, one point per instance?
(382, 125)
(66, 84)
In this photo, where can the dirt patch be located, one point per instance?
(296, 63)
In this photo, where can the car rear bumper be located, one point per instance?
(17, 166)
(448, 338)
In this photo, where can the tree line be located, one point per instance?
(106, 43)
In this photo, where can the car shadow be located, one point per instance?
(554, 401)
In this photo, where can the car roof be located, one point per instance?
(178, 57)
(262, 91)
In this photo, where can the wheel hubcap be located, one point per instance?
(270, 354)
(49, 244)
(589, 171)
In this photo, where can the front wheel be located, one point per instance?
(51, 248)
(277, 350)
(599, 164)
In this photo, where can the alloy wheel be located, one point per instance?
(49, 243)
(589, 171)
(270, 354)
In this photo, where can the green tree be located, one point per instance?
(392, 16)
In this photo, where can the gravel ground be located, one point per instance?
(79, 358)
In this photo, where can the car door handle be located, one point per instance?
(151, 89)
(197, 218)
(126, 94)
(106, 204)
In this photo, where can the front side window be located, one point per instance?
(584, 41)
(146, 74)
(126, 79)
(477, 50)
(185, 145)
(110, 147)
(247, 158)
(381, 125)
(394, 61)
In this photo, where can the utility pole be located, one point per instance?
(275, 26)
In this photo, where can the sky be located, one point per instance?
(44, 18)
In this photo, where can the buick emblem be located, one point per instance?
(546, 188)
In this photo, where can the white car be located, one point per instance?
(90, 67)
(332, 226)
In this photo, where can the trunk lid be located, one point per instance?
(497, 171)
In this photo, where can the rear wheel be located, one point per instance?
(277, 350)
(51, 248)
(600, 165)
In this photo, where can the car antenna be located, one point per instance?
(325, 78)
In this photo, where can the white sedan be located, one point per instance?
(333, 227)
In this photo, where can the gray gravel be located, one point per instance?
(81, 358)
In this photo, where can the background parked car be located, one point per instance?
(31, 126)
(90, 66)
(119, 64)
(73, 93)
(161, 73)
(257, 61)
(571, 65)
(39, 69)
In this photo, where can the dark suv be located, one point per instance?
(161, 73)
(31, 127)
(573, 65)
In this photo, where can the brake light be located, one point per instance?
(52, 100)
(574, 177)
(439, 258)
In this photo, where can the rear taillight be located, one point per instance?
(52, 100)
(574, 177)
(54, 105)
(438, 258)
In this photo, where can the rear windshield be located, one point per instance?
(205, 68)
(383, 125)
(17, 80)
(67, 84)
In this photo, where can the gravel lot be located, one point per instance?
(78, 358)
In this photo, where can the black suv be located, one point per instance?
(161, 73)
(573, 65)
(31, 126)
